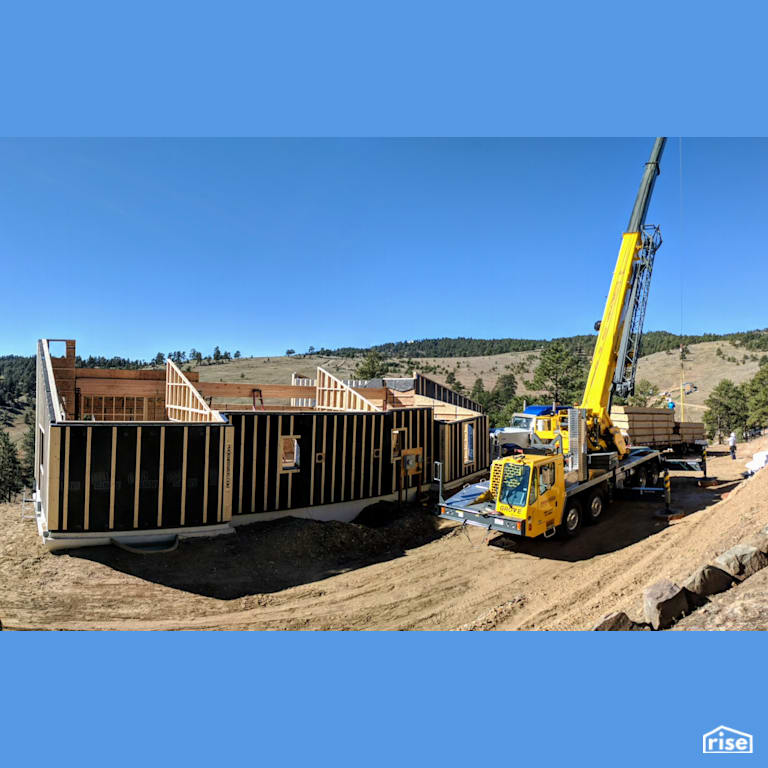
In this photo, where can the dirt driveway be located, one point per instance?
(415, 573)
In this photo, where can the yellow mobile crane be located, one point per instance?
(571, 470)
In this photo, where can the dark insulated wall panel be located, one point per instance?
(101, 478)
(125, 482)
(149, 476)
(343, 457)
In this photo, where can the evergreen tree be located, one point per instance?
(478, 393)
(757, 398)
(216, 354)
(371, 367)
(560, 374)
(646, 395)
(28, 458)
(10, 468)
(237, 355)
(726, 409)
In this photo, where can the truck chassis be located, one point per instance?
(617, 478)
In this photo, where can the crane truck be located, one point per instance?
(570, 471)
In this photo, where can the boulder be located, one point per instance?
(618, 621)
(709, 580)
(664, 603)
(742, 561)
(761, 540)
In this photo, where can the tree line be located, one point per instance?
(17, 379)
(583, 345)
(738, 408)
(17, 468)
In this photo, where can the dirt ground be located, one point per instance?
(414, 572)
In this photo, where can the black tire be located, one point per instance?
(572, 518)
(641, 478)
(594, 510)
(654, 475)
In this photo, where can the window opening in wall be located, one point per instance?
(290, 458)
(469, 443)
(398, 443)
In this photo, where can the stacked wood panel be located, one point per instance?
(655, 426)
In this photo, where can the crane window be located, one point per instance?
(514, 484)
(546, 477)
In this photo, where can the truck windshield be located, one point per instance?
(514, 484)
(521, 422)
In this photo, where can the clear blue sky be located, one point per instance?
(139, 246)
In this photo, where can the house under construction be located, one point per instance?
(137, 456)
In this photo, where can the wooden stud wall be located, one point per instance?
(182, 401)
(424, 386)
(332, 394)
(450, 439)
(342, 457)
(122, 477)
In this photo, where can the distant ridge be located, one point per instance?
(653, 341)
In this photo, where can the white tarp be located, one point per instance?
(759, 460)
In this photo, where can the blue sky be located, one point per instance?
(134, 246)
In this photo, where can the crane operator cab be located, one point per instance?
(530, 489)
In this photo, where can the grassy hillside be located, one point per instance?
(703, 367)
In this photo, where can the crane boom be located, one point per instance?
(614, 361)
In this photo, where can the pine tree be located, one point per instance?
(560, 374)
(371, 367)
(757, 398)
(726, 409)
(28, 458)
(646, 395)
(10, 468)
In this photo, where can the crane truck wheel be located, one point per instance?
(595, 508)
(571, 524)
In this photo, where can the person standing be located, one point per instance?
(732, 445)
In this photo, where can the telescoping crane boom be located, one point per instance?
(614, 362)
(570, 472)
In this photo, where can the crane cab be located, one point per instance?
(530, 489)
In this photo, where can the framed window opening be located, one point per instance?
(468, 431)
(290, 453)
(398, 442)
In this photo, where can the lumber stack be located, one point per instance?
(690, 431)
(645, 426)
(654, 426)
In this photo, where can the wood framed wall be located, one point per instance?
(48, 409)
(332, 394)
(428, 388)
(149, 476)
(450, 439)
(343, 457)
(182, 401)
